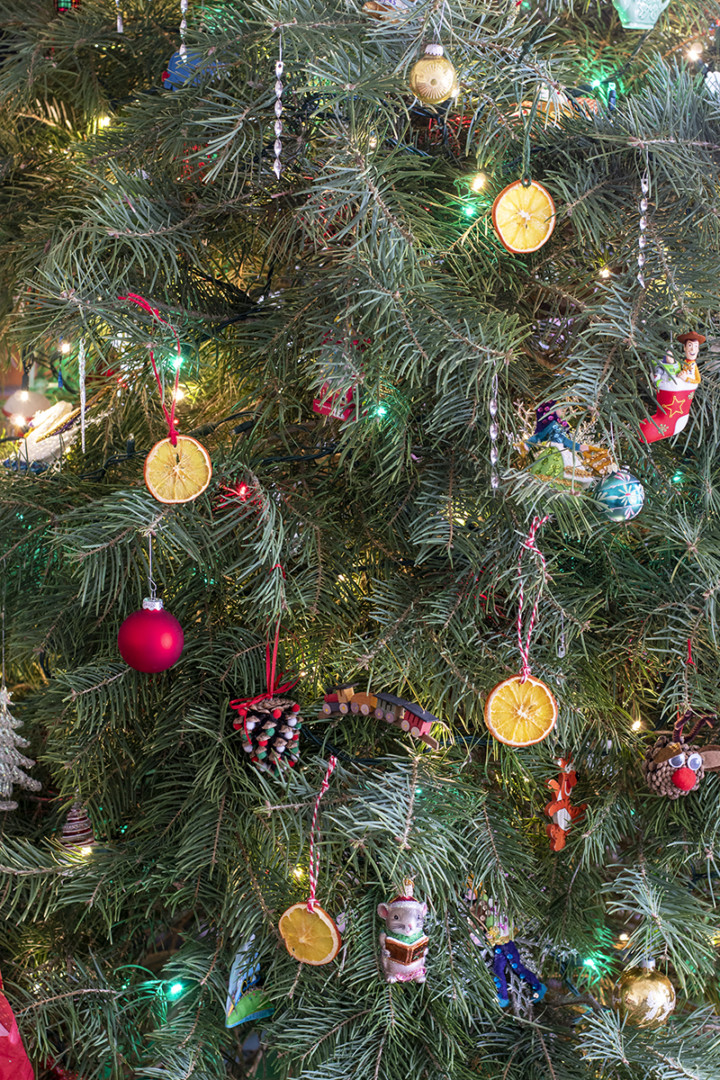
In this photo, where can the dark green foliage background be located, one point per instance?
(400, 564)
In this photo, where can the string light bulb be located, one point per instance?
(175, 990)
(605, 272)
(478, 182)
(104, 121)
(65, 347)
(636, 725)
(695, 52)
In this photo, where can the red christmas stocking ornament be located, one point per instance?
(14, 1062)
(671, 416)
(676, 385)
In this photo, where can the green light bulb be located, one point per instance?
(381, 410)
(470, 210)
(175, 990)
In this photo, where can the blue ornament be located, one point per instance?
(180, 68)
(621, 496)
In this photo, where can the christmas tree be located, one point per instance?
(359, 537)
(12, 762)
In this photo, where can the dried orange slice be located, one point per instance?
(523, 216)
(177, 474)
(310, 936)
(520, 713)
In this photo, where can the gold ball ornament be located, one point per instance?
(433, 79)
(643, 996)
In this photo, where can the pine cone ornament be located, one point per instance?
(272, 733)
(673, 768)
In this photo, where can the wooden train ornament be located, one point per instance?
(393, 710)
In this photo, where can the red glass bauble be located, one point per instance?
(151, 640)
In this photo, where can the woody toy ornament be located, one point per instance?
(676, 384)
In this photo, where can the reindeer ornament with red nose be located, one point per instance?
(674, 766)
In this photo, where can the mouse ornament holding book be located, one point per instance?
(403, 944)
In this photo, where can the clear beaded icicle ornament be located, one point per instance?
(279, 68)
(183, 28)
(119, 18)
(642, 239)
(494, 432)
(83, 389)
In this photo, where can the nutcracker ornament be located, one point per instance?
(675, 766)
(499, 934)
(676, 385)
(403, 944)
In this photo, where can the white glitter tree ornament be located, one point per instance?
(11, 775)
(12, 762)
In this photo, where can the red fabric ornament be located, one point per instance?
(684, 778)
(151, 640)
(14, 1062)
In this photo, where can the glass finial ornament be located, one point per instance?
(433, 78)
(77, 831)
(639, 14)
(12, 762)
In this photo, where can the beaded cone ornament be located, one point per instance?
(77, 832)
(272, 732)
(12, 762)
